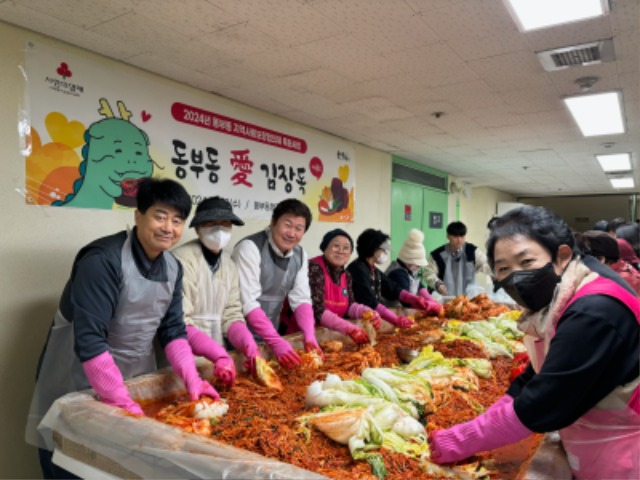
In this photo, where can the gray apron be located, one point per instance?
(277, 276)
(141, 306)
(459, 272)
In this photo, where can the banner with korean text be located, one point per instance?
(95, 131)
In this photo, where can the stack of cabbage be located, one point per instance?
(385, 407)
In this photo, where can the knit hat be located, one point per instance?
(626, 252)
(214, 208)
(600, 244)
(412, 251)
(331, 234)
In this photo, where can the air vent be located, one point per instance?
(426, 179)
(577, 55)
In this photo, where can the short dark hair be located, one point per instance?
(614, 224)
(294, 207)
(457, 229)
(536, 223)
(631, 233)
(600, 225)
(369, 241)
(152, 191)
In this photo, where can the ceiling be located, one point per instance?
(376, 72)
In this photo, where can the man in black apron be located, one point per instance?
(124, 289)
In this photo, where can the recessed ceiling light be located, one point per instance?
(597, 114)
(534, 14)
(625, 182)
(618, 162)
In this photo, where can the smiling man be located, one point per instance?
(273, 273)
(124, 289)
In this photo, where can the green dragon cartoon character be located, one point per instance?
(115, 158)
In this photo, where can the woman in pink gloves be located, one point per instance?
(272, 269)
(331, 290)
(124, 289)
(581, 324)
(211, 296)
(370, 284)
(405, 271)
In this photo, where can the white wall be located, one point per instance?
(37, 250)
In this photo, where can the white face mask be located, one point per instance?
(215, 238)
(383, 257)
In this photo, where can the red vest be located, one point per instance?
(336, 297)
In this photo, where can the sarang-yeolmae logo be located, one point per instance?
(64, 85)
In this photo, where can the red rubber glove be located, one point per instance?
(359, 336)
(404, 322)
(106, 379)
(283, 351)
(181, 359)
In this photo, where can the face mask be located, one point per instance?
(533, 289)
(383, 257)
(414, 269)
(215, 238)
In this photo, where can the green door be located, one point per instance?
(416, 206)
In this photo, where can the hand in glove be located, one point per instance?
(240, 337)
(359, 336)
(433, 307)
(203, 345)
(357, 310)
(496, 427)
(106, 379)
(414, 300)
(307, 324)
(392, 318)
(403, 322)
(282, 350)
(225, 371)
(181, 359)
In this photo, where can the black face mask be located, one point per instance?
(532, 289)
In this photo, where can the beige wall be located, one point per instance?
(38, 245)
(582, 212)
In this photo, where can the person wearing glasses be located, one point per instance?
(332, 291)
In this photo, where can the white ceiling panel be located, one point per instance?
(376, 71)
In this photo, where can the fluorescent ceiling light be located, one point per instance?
(617, 162)
(626, 182)
(597, 114)
(533, 14)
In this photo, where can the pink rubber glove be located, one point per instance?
(307, 324)
(433, 307)
(106, 379)
(392, 318)
(496, 427)
(240, 337)
(203, 345)
(415, 301)
(357, 310)
(181, 359)
(333, 322)
(282, 350)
